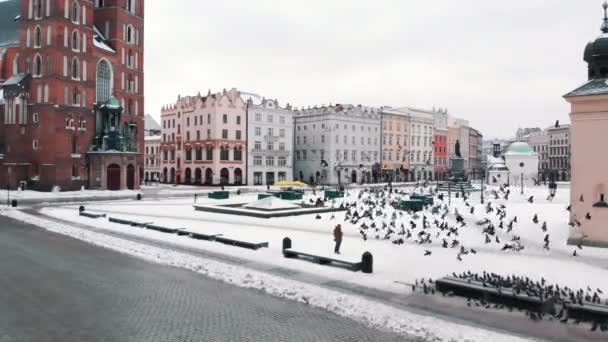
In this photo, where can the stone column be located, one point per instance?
(123, 174)
(104, 177)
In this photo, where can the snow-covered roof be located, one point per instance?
(271, 203)
(151, 124)
(99, 41)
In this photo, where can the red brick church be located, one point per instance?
(71, 94)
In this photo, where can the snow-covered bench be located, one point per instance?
(128, 222)
(199, 236)
(588, 311)
(243, 244)
(479, 290)
(163, 229)
(365, 265)
(91, 215)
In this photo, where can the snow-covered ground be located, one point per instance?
(39, 195)
(394, 264)
(363, 310)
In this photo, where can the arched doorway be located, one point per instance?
(198, 176)
(208, 176)
(172, 179)
(238, 176)
(224, 176)
(165, 179)
(113, 177)
(188, 176)
(353, 176)
(130, 177)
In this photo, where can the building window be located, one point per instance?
(282, 161)
(270, 146)
(209, 154)
(282, 132)
(224, 134)
(257, 176)
(99, 3)
(258, 117)
(238, 120)
(269, 161)
(75, 97)
(131, 6)
(257, 145)
(224, 152)
(35, 118)
(270, 119)
(258, 131)
(225, 118)
(129, 35)
(282, 120)
(35, 145)
(238, 154)
(37, 66)
(257, 160)
(75, 12)
(37, 37)
(104, 81)
(238, 135)
(281, 146)
(75, 41)
(75, 68)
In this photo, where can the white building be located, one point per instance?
(521, 160)
(152, 141)
(270, 146)
(422, 164)
(337, 144)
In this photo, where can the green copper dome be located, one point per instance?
(113, 103)
(520, 148)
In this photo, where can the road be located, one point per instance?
(54, 288)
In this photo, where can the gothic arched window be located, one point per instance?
(37, 65)
(75, 12)
(104, 81)
(75, 40)
(37, 37)
(75, 68)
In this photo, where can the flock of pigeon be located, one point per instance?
(559, 297)
(443, 225)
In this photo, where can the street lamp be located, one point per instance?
(522, 177)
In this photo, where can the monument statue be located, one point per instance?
(457, 149)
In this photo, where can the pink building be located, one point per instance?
(589, 170)
(204, 139)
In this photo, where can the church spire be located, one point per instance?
(605, 23)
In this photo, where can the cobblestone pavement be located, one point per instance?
(55, 288)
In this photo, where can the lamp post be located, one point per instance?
(522, 177)
(482, 185)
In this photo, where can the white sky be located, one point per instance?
(499, 64)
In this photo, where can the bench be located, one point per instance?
(588, 311)
(163, 229)
(199, 236)
(91, 215)
(243, 244)
(477, 290)
(219, 195)
(127, 222)
(365, 265)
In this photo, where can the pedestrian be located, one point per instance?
(195, 197)
(338, 238)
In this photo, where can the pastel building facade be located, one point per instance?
(589, 124)
(337, 144)
(421, 144)
(204, 139)
(270, 147)
(396, 126)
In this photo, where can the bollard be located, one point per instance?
(14, 203)
(286, 243)
(81, 208)
(367, 263)
(139, 197)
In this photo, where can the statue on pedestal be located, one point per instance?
(457, 149)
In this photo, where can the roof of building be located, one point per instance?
(520, 147)
(15, 79)
(151, 124)
(10, 13)
(593, 87)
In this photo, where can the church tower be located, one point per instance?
(589, 116)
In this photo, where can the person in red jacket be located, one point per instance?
(338, 238)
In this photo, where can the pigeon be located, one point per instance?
(569, 207)
(574, 254)
(588, 216)
(531, 199)
(581, 199)
(427, 253)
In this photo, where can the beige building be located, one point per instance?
(395, 144)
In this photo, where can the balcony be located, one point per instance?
(271, 138)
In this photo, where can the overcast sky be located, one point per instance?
(499, 64)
